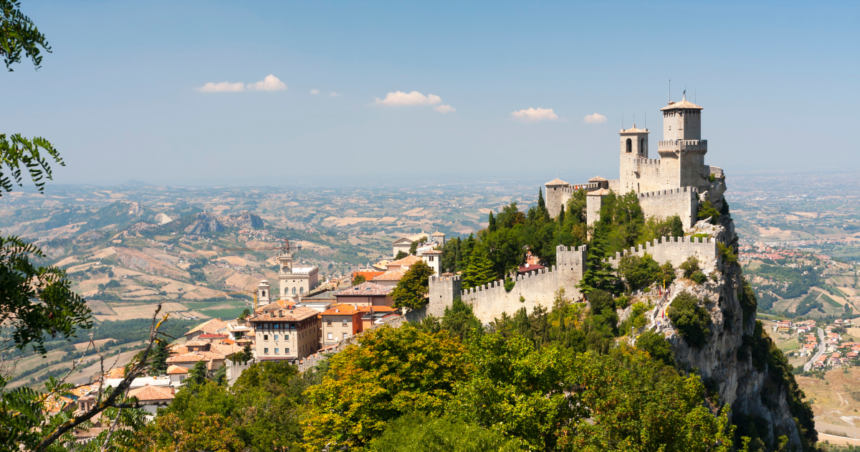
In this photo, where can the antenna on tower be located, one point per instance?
(670, 90)
(634, 120)
(646, 120)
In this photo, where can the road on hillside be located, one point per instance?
(821, 347)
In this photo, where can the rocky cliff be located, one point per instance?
(739, 361)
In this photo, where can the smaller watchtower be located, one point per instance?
(634, 142)
(264, 291)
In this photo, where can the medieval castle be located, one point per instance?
(672, 185)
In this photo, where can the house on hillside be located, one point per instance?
(213, 326)
(366, 294)
(340, 322)
(286, 333)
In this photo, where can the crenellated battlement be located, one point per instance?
(650, 194)
(647, 161)
(536, 288)
(570, 189)
(675, 250)
(682, 145)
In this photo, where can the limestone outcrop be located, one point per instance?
(719, 361)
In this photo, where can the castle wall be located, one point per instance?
(675, 250)
(537, 288)
(666, 203)
(693, 169)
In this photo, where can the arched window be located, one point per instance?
(642, 146)
(301, 290)
(629, 145)
(294, 290)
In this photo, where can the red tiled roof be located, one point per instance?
(289, 315)
(365, 289)
(368, 276)
(176, 370)
(340, 309)
(407, 261)
(375, 309)
(212, 336)
(390, 275)
(152, 393)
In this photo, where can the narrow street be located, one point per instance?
(821, 347)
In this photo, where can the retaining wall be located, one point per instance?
(675, 250)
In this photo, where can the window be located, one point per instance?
(276, 338)
(276, 351)
(301, 290)
(287, 351)
(330, 336)
(629, 145)
(265, 337)
(430, 258)
(265, 351)
(345, 335)
(344, 322)
(294, 290)
(286, 337)
(328, 323)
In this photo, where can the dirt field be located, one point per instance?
(100, 307)
(84, 345)
(832, 398)
(139, 311)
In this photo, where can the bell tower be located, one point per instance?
(634, 142)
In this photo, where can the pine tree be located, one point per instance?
(197, 375)
(492, 225)
(479, 271)
(560, 218)
(543, 213)
(159, 358)
(599, 274)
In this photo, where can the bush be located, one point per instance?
(691, 319)
(667, 274)
(509, 284)
(698, 277)
(707, 210)
(622, 302)
(690, 266)
(657, 347)
(727, 254)
(639, 272)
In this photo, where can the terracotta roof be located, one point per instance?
(226, 348)
(375, 309)
(368, 276)
(118, 372)
(529, 268)
(556, 181)
(193, 357)
(280, 304)
(432, 252)
(212, 336)
(390, 275)
(196, 343)
(601, 192)
(177, 350)
(597, 179)
(366, 288)
(152, 393)
(211, 326)
(437, 233)
(176, 370)
(683, 105)
(340, 309)
(634, 130)
(407, 261)
(289, 315)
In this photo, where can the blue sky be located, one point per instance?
(121, 98)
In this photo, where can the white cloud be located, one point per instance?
(223, 87)
(535, 115)
(399, 98)
(334, 94)
(595, 118)
(315, 91)
(444, 109)
(270, 83)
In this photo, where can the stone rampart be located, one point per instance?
(535, 288)
(666, 203)
(675, 250)
(558, 196)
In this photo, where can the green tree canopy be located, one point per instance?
(412, 287)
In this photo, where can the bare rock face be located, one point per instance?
(204, 222)
(162, 219)
(242, 220)
(740, 384)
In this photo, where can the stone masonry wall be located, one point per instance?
(675, 250)
(558, 196)
(666, 203)
(537, 288)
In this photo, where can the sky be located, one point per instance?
(367, 93)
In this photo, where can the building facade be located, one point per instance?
(285, 333)
(340, 322)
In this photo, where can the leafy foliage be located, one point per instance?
(421, 433)
(691, 319)
(411, 288)
(707, 210)
(19, 36)
(639, 272)
(391, 372)
(657, 347)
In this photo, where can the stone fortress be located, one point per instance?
(674, 184)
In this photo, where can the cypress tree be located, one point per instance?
(479, 271)
(599, 275)
(492, 226)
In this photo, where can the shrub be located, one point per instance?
(691, 319)
(639, 272)
(667, 274)
(727, 254)
(657, 347)
(622, 302)
(698, 277)
(690, 266)
(707, 210)
(509, 284)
